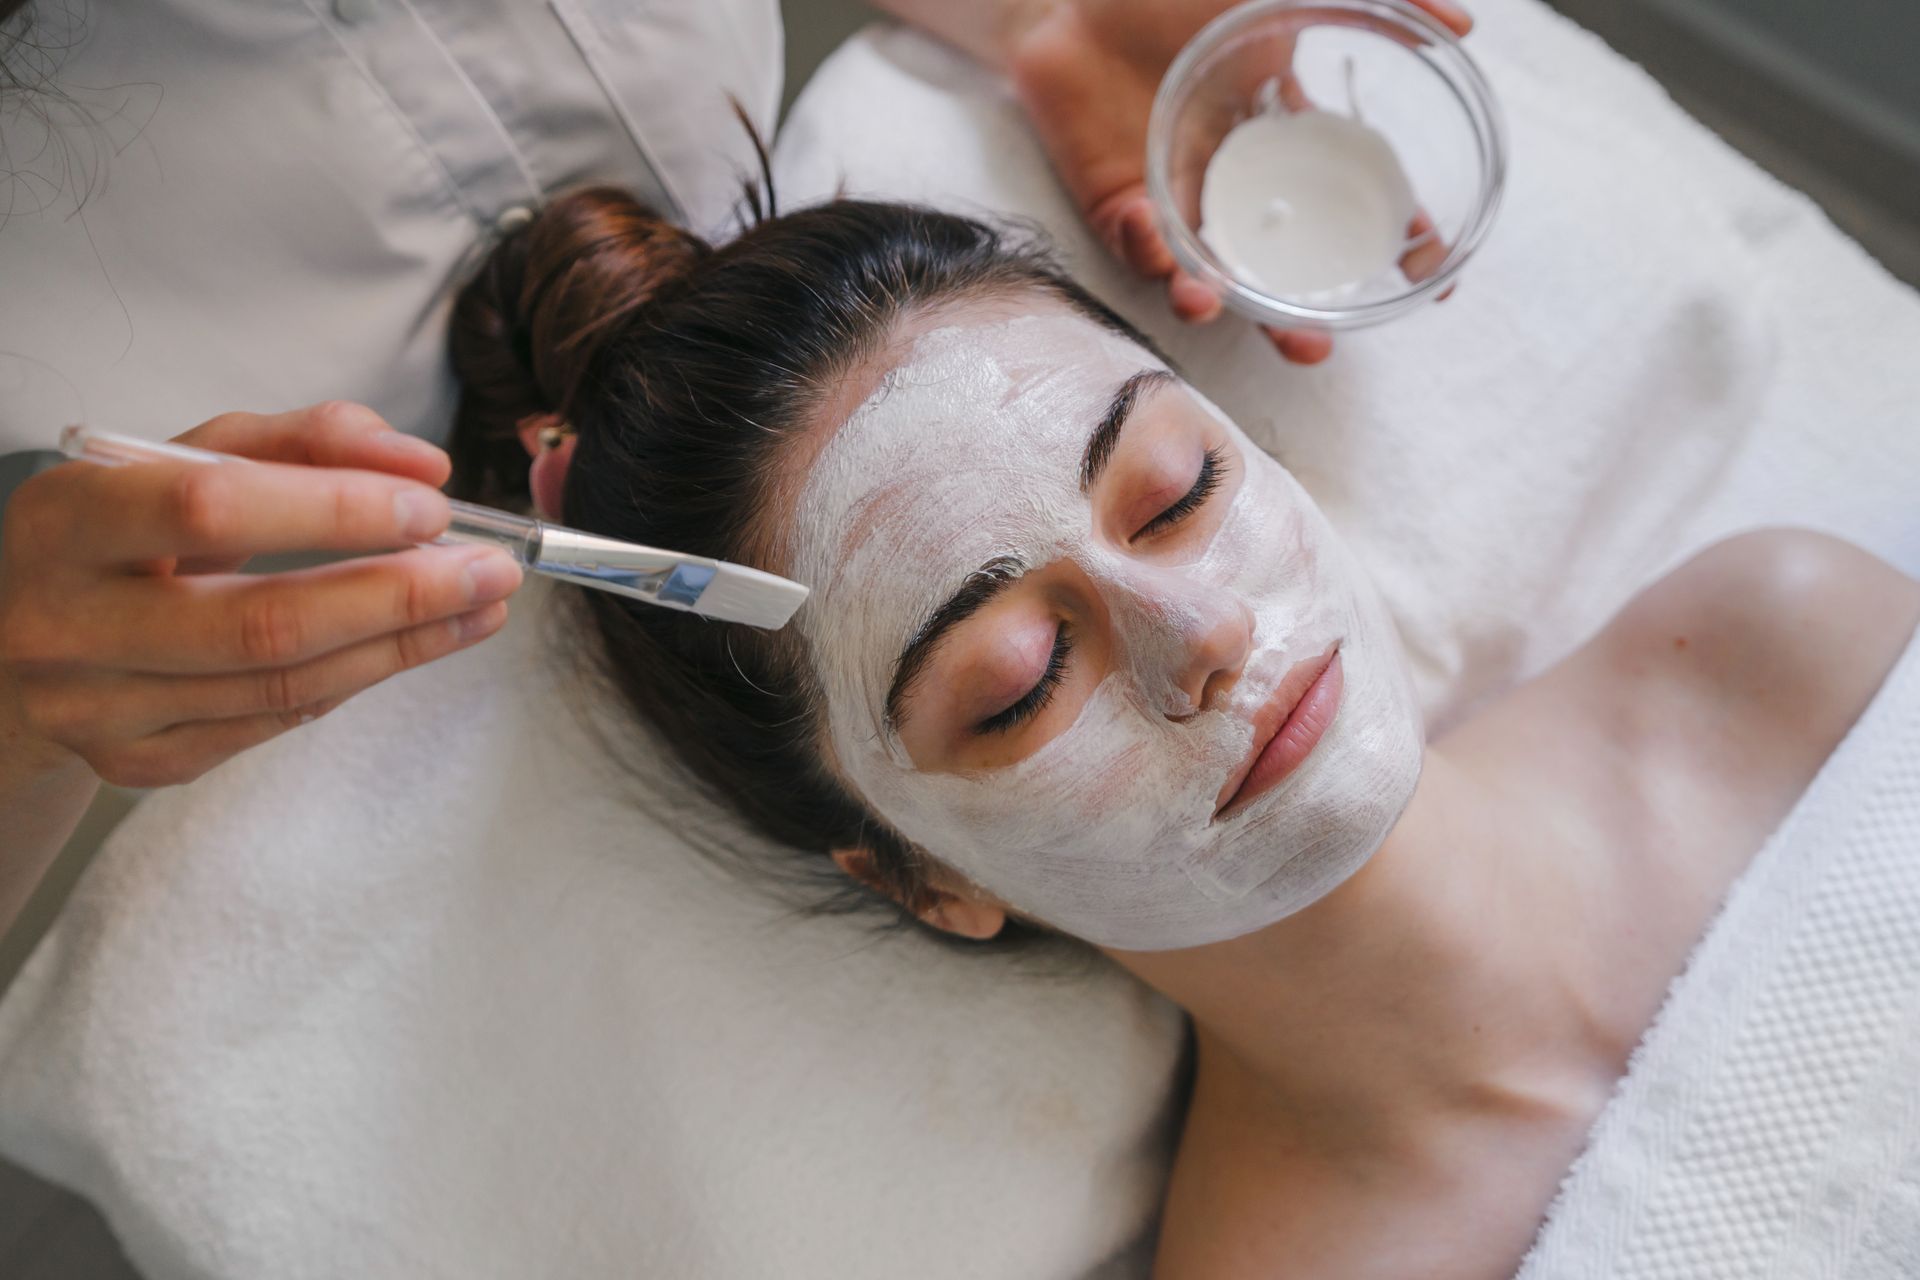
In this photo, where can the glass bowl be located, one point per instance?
(1325, 164)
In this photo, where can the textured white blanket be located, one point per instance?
(406, 994)
(1769, 1125)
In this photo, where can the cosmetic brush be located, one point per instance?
(694, 584)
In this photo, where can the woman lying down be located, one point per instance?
(1081, 658)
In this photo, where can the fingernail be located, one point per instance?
(491, 575)
(480, 622)
(420, 513)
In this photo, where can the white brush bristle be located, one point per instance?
(740, 594)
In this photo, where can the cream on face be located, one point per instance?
(970, 454)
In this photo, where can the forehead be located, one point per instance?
(982, 418)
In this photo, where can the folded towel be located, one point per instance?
(418, 991)
(1769, 1124)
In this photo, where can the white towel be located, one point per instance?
(1658, 345)
(1769, 1124)
(402, 994)
(418, 991)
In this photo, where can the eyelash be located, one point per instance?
(1211, 470)
(1035, 700)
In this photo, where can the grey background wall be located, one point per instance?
(815, 29)
(1825, 94)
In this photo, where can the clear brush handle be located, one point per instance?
(606, 564)
(518, 536)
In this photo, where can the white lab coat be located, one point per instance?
(256, 204)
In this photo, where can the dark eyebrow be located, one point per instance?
(981, 586)
(988, 581)
(1107, 434)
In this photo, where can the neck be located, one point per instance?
(1458, 972)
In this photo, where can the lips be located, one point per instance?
(1286, 729)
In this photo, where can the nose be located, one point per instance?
(1185, 640)
(1218, 656)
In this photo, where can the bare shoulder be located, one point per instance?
(1782, 626)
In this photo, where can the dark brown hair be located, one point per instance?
(685, 370)
(33, 45)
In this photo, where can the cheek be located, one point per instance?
(1264, 546)
(1117, 785)
(1020, 806)
(1090, 771)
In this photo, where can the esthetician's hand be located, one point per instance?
(128, 639)
(1087, 71)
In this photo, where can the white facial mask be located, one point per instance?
(969, 452)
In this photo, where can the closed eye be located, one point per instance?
(1212, 471)
(1034, 700)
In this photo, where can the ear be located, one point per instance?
(547, 474)
(547, 478)
(533, 427)
(960, 910)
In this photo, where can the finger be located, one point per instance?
(1293, 94)
(184, 752)
(1302, 346)
(1138, 242)
(211, 564)
(1450, 15)
(1191, 300)
(334, 433)
(86, 710)
(1428, 252)
(154, 510)
(257, 622)
(1455, 20)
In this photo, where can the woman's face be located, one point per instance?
(1085, 643)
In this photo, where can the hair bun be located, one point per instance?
(526, 330)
